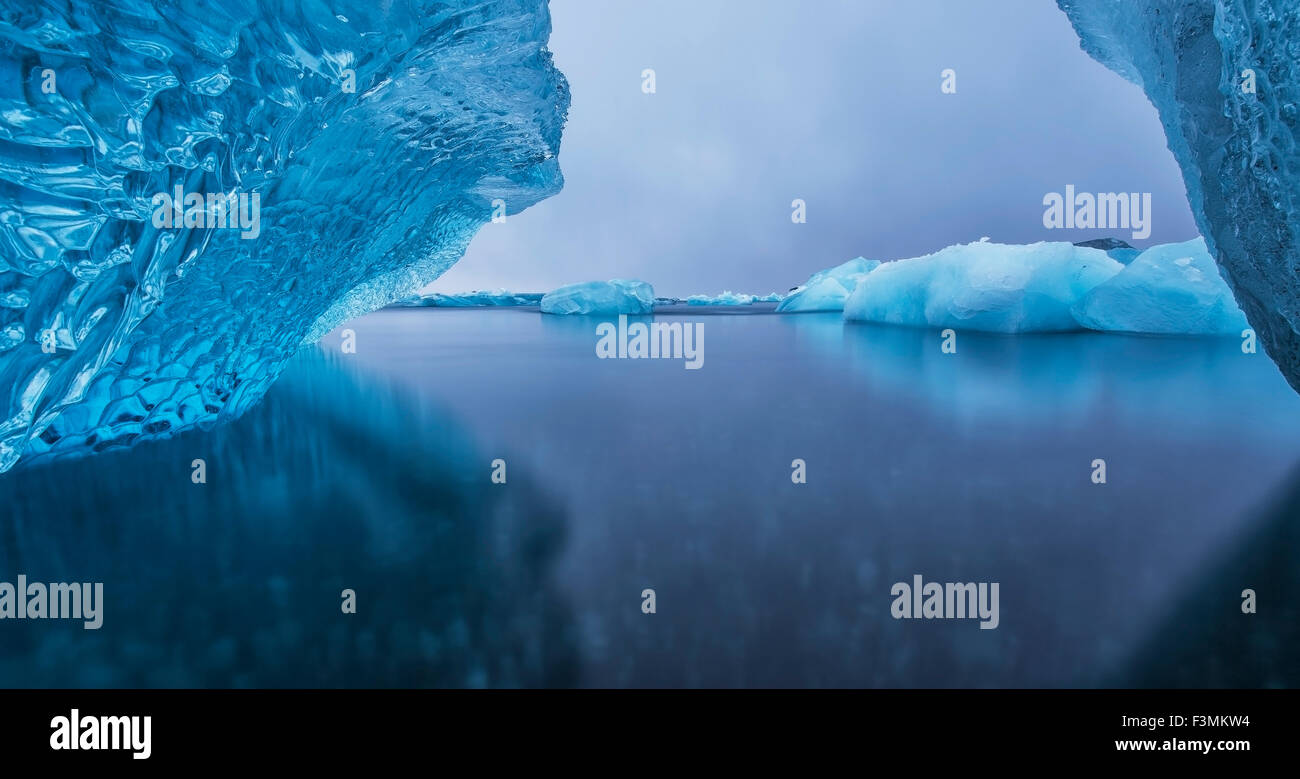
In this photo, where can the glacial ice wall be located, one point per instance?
(1225, 78)
(375, 136)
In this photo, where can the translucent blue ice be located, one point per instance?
(984, 286)
(1225, 78)
(601, 298)
(1174, 289)
(827, 290)
(375, 137)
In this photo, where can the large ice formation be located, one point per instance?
(827, 290)
(1224, 76)
(601, 298)
(369, 139)
(984, 286)
(1173, 288)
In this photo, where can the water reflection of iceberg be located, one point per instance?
(1172, 384)
(328, 484)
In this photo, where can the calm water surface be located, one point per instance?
(371, 471)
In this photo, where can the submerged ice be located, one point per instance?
(601, 298)
(375, 137)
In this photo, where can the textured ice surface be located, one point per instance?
(827, 290)
(984, 286)
(1238, 148)
(724, 298)
(1173, 288)
(601, 298)
(473, 299)
(366, 193)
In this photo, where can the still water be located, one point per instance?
(371, 471)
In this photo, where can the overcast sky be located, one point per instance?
(837, 102)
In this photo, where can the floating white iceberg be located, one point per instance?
(1173, 288)
(601, 298)
(827, 290)
(726, 298)
(984, 286)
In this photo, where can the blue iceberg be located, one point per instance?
(601, 298)
(1223, 78)
(1172, 289)
(829, 289)
(192, 191)
(984, 286)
